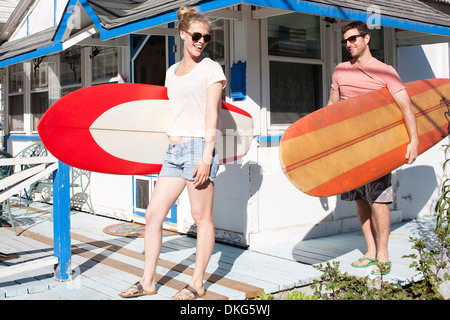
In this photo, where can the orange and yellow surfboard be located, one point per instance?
(355, 141)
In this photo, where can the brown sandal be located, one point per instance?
(192, 290)
(136, 290)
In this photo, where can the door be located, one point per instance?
(149, 56)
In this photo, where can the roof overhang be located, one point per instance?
(375, 12)
(422, 19)
(143, 15)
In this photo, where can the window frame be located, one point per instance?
(15, 93)
(73, 86)
(271, 128)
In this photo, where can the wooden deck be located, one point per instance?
(104, 264)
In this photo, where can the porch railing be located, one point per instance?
(11, 185)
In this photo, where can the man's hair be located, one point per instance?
(361, 26)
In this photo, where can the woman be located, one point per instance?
(194, 86)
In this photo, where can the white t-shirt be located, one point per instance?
(187, 96)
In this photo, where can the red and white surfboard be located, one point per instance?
(121, 129)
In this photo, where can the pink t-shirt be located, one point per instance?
(352, 79)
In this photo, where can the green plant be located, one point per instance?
(265, 296)
(298, 295)
(430, 259)
(341, 286)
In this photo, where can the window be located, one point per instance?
(295, 90)
(295, 66)
(39, 104)
(70, 70)
(142, 189)
(216, 48)
(16, 97)
(105, 63)
(294, 35)
(39, 99)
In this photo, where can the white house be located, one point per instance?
(49, 48)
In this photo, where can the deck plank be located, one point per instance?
(104, 264)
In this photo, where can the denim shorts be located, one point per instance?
(182, 158)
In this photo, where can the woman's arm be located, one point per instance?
(214, 94)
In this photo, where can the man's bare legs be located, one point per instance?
(375, 223)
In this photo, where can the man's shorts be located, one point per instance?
(182, 158)
(379, 191)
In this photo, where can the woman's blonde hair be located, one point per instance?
(188, 15)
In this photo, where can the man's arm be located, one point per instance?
(334, 97)
(404, 102)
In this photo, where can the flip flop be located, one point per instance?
(136, 290)
(387, 270)
(371, 263)
(194, 292)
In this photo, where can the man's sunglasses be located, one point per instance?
(197, 36)
(352, 39)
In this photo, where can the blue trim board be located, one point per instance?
(171, 43)
(293, 5)
(351, 14)
(63, 24)
(55, 47)
(61, 221)
(168, 17)
(21, 137)
(17, 137)
(55, 6)
(92, 14)
(268, 138)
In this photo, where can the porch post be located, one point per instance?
(61, 221)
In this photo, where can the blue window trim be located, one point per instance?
(276, 138)
(173, 210)
(17, 137)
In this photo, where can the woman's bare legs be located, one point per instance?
(167, 190)
(201, 199)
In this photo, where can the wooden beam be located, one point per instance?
(27, 160)
(16, 188)
(21, 175)
(28, 266)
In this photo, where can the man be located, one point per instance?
(362, 74)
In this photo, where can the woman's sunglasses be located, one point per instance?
(352, 39)
(197, 36)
